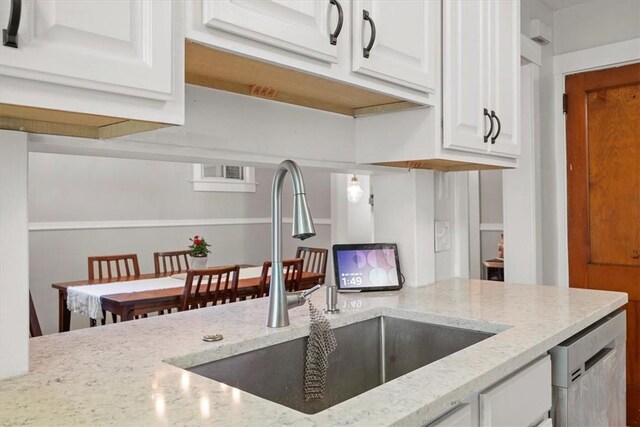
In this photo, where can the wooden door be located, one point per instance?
(465, 75)
(504, 83)
(404, 49)
(294, 25)
(603, 175)
(122, 47)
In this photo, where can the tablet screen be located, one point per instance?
(367, 266)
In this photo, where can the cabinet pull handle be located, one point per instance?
(10, 35)
(333, 38)
(367, 17)
(486, 114)
(495, 116)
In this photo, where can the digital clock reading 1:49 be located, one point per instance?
(351, 280)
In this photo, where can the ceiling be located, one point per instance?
(563, 4)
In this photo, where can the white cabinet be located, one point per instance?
(296, 35)
(465, 74)
(303, 27)
(481, 76)
(462, 416)
(395, 40)
(521, 400)
(504, 86)
(102, 57)
(118, 47)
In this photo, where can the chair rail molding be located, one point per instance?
(156, 223)
(613, 54)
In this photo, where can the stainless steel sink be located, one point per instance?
(369, 353)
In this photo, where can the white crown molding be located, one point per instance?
(158, 223)
(608, 55)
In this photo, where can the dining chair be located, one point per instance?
(110, 267)
(314, 260)
(124, 266)
(173, 262)
(292, 270)
(34, 323)
(210, 285)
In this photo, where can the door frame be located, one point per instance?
(601, 57)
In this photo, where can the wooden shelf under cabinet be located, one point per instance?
(213, 68)
(440, 165)
(56, 122)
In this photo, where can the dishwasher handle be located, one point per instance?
(593, 361)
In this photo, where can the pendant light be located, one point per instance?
(354, 190)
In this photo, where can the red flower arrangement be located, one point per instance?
(199, 247)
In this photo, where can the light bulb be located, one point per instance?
(354, 191)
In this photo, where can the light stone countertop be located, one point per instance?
(117, 374)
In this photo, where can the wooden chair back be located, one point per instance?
(173, 262)
(210, 285)
(34, 323)
(113, 266)
(292, 270)
(314, 260)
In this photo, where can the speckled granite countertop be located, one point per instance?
(117, 374)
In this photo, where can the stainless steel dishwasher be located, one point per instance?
(588, 375)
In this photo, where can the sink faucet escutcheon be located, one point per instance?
(279, 300)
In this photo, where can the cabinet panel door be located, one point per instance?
(404, 49)
(505, 75)
(299, 26)
(119, 47)
(502, 404)
(462, 416)
(466, 54)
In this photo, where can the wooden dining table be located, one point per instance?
(131, 304)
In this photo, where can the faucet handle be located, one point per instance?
(299, 298)
(308, 292)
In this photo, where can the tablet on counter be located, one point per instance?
(367, 267)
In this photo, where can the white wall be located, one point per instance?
(595, 23)
(352, 222)
(451, 194)
(404, 214)
(14, 255)
(64, 189)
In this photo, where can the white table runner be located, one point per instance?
(86, 299)
(245, 273)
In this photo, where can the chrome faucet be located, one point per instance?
(280, 301)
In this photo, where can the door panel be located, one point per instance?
(404, 50)
(119, 47)
(299, 26)
(603, 183)
(504, 95)
(613, 130)
(466, 73)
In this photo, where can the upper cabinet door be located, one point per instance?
(402, 37)
(300, 26)
(466, 56)
(121, 47)
(505, 76)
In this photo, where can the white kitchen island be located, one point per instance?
(119, 374)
